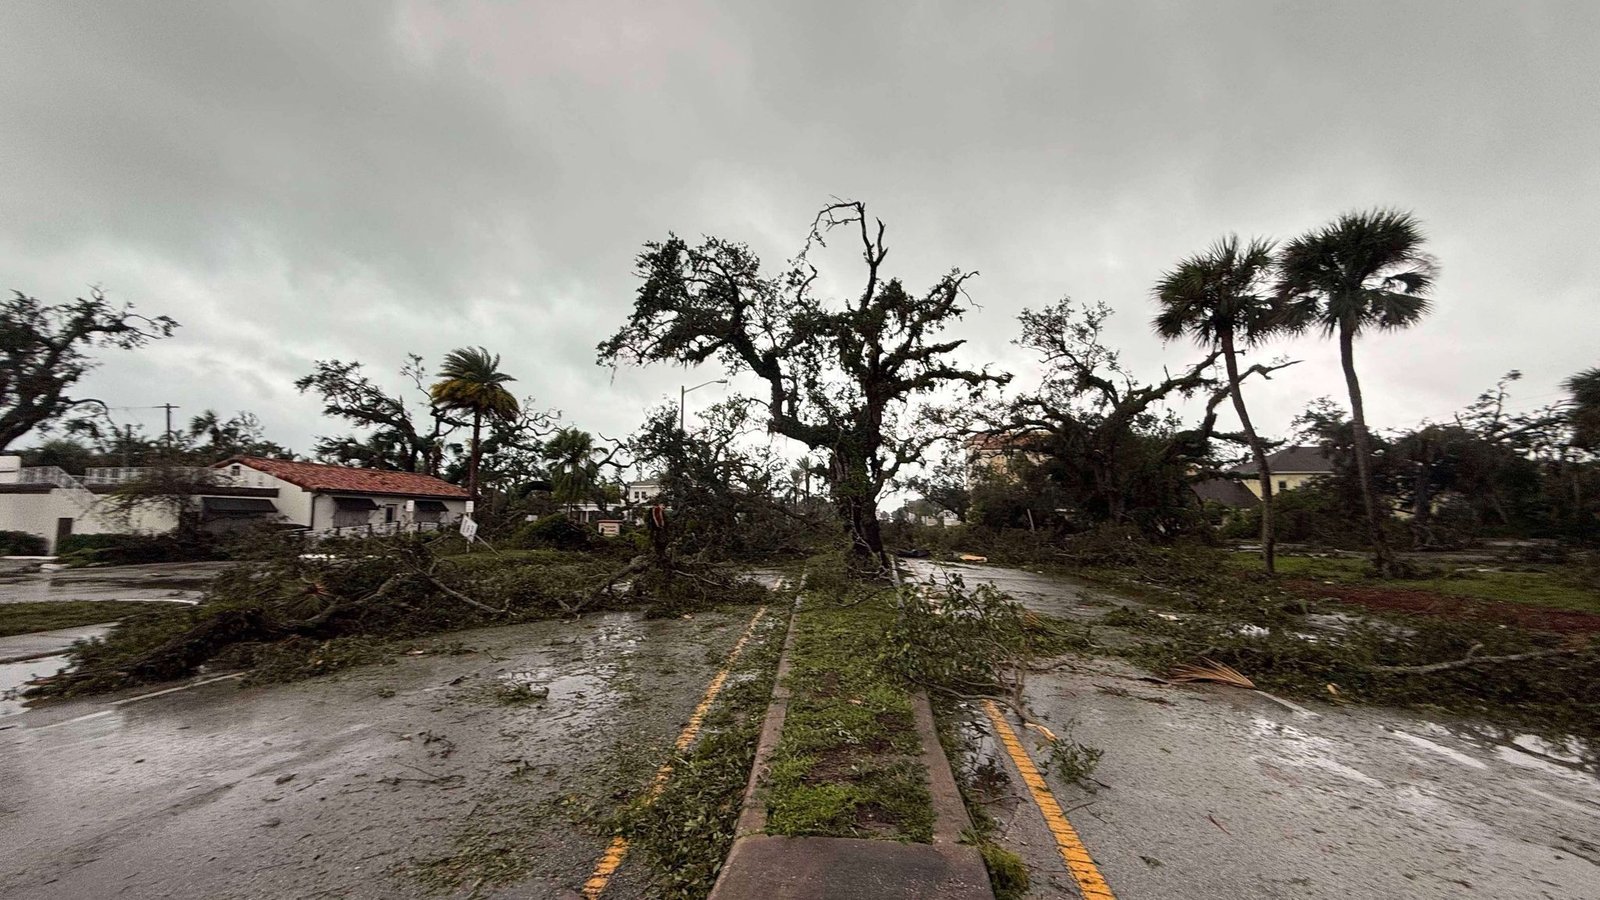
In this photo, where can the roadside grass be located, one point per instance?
(847, 764)
(1275, 639)
(24, 618)
(1543, 586)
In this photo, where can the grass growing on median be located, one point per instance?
(24, 618)
(848, 763)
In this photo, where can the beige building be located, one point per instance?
(1291, 468)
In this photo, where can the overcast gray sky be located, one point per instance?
(356, 180)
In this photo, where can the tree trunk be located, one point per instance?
(1269, 540)
(1422, 495)
(472, 462)
(1382, 557)
(859, 511)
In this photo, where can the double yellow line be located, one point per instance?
(617, 850)
(1090, 883)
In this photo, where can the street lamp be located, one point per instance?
(684, 392)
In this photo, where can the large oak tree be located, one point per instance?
(838, 375)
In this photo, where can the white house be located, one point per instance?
(643, 492)
(52, 504)
(322, 497)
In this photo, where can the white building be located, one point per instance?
(642, 493)
(52, 504)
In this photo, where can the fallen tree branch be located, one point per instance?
(1471, 660)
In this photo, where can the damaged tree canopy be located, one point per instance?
(838, 376)
(1099, 430)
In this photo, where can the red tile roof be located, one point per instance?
(326, 478)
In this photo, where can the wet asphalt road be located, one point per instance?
(1216, 792)
(155, 582)
(346, 786)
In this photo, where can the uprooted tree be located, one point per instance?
(838, 375)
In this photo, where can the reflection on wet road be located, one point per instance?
(346, 786)
(183, 582)
(1216, 792)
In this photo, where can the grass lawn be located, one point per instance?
(22, 618)
(1540, 588)
(847, 765)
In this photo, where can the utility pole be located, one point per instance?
(169, 408)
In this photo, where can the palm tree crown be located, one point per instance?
(1365, 269)
(470, 379)
(1585, 408)
(571, 452)
(1221, 292)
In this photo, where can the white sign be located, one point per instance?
(469, 529)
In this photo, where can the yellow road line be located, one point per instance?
(1073, 853)
(617, 850)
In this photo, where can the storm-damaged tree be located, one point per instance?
(838, 376)
(210, 437)
(1100, 434)
(1364, 271)
(395, 439)
(724, 490)
(1221, 298)
(44, 353)
(945, 483)
(470, 381)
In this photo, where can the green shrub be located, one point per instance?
(21, 543)
(555, 531)
(129, 549)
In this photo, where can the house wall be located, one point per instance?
(39, 513)
(1282, 481)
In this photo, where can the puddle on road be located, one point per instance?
(13, 676)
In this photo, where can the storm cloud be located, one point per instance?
(303, 181)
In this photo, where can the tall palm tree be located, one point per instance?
(1584, 410)
(470, 380)
(571, 453)
(1221, 298)
(1364, 270)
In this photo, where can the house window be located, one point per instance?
(1283, 485)
(234, 470)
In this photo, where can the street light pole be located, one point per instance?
(684, 392)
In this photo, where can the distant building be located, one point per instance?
(1291, 468)
(643, 492)
(991, 454)
(51, 503)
